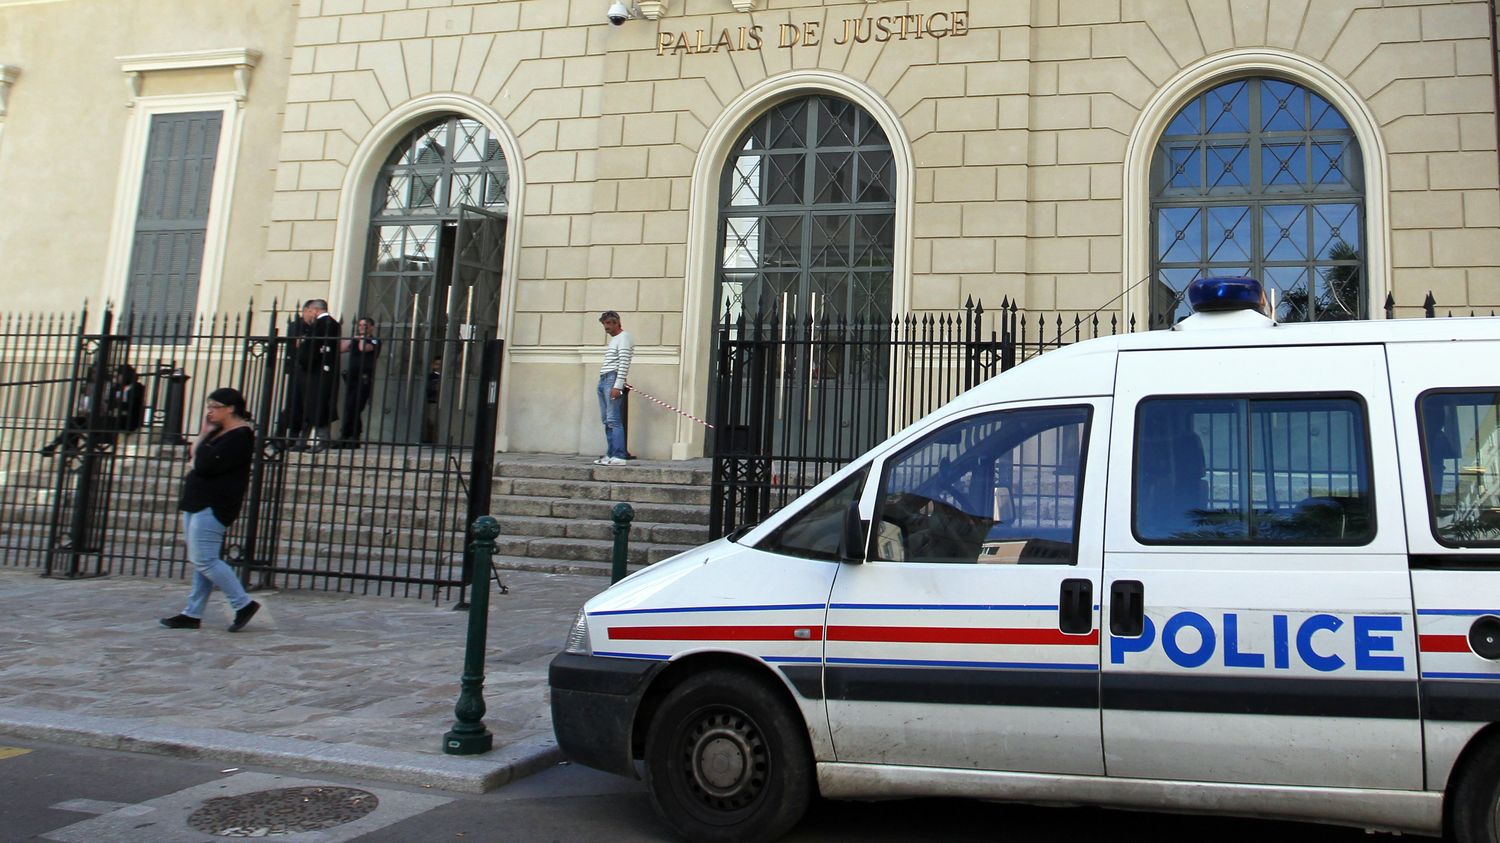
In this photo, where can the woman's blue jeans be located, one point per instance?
(205, 538)
(609, 415)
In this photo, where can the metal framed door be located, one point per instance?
(473, 312)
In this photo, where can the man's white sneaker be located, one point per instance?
(602, 461)
(614, 461)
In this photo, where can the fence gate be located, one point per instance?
(93, 448)
(795, 401)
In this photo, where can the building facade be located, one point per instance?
(517, 166)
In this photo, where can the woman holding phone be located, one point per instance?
(212, 494)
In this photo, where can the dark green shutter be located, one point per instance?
(172, 218)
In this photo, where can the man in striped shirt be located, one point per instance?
(612, 376)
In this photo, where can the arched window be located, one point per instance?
(432, 278)
(1260, 177)
(446, 169)
(807, 215)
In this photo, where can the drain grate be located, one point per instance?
(289, 810)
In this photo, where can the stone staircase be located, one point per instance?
(554, 511)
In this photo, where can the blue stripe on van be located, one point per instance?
(951, 607)
(1459, 612)
(939, 663)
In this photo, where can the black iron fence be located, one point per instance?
(796, 399)
(95, 421)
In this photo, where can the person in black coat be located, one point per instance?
(127, 400)
(361, 351)
(312, 390)
(212, 494)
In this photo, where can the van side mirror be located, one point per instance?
(852, 547)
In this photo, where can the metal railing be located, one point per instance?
(796, 399)
(91, 464)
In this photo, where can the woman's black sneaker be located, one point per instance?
(180, 622)
(243, 616)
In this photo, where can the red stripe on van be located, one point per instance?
(713, 633)
(1444, 643)
(958, 635)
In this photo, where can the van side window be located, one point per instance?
(1461, 452)
(1252, 471)
(998, 488)
(815, 532)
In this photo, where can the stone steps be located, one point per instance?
(554, 511)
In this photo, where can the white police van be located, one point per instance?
(1236, 567)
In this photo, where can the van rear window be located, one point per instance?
(1241, 470)
(1461, 455)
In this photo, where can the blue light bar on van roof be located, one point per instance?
(1212, 295)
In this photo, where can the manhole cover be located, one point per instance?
(288, 810)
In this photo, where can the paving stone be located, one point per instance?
(339, 669)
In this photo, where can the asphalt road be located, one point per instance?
(66, 793)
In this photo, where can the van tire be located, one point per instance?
(1476, 800)
(726, 760)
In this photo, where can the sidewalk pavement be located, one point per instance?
(318, 682)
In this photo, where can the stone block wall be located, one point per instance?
(1019, 135)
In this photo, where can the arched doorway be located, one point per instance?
(1262, 177)
(805, 251)
(432, 275)
(807, 215)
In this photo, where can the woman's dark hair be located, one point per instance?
(126, 373)
(231, 398)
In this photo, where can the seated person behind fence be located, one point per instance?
(127, 400)
(212, 494)
(125, 408)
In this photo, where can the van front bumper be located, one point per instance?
(594, 701)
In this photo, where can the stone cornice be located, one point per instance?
(241, 59)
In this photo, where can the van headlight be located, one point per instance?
(578, 636)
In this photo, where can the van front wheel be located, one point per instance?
(726, 760)
(1476, 808)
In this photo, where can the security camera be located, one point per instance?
(618, 13)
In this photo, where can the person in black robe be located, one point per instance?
(362, 351)
(313, 387)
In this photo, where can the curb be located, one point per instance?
(477, 774)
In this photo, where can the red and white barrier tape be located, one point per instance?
(653, 399)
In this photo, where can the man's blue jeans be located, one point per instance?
(205, 537)
(609, 414)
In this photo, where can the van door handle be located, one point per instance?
(1127, 608)
(1075, 607)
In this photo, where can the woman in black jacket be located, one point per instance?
(211, 496)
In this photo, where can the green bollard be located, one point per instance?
(622, 514)
(469, 735)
